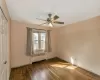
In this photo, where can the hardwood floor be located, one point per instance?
(54, 69)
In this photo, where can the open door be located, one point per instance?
(3, 47)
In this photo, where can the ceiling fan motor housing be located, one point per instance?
(49, 15)
(49, 20)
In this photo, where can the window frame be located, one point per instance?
(39, 50)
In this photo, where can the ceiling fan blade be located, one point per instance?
(58, 22)
(56, 17)
(41, 19)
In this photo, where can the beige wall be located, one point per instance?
(18, 44)
(81, 41)
(5, 10)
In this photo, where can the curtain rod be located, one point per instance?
(38, 29)
(3, 13)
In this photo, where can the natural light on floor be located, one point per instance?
(64, 66)
(71, 67)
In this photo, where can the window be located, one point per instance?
(39, 40)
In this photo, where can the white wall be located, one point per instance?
(81, 41)
(18, 44)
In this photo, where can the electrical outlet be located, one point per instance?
(75, 59)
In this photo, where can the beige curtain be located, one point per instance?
(48, 41)
(29, 48)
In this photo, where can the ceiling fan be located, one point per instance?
(51, 20)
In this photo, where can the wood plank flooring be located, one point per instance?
(53, 69)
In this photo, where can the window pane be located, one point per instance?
(35, 36)
(35, 41)
(43, 36)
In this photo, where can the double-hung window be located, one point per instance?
(39, 41)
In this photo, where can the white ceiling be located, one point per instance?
(70, 11)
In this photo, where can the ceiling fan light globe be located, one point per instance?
(50, 25)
